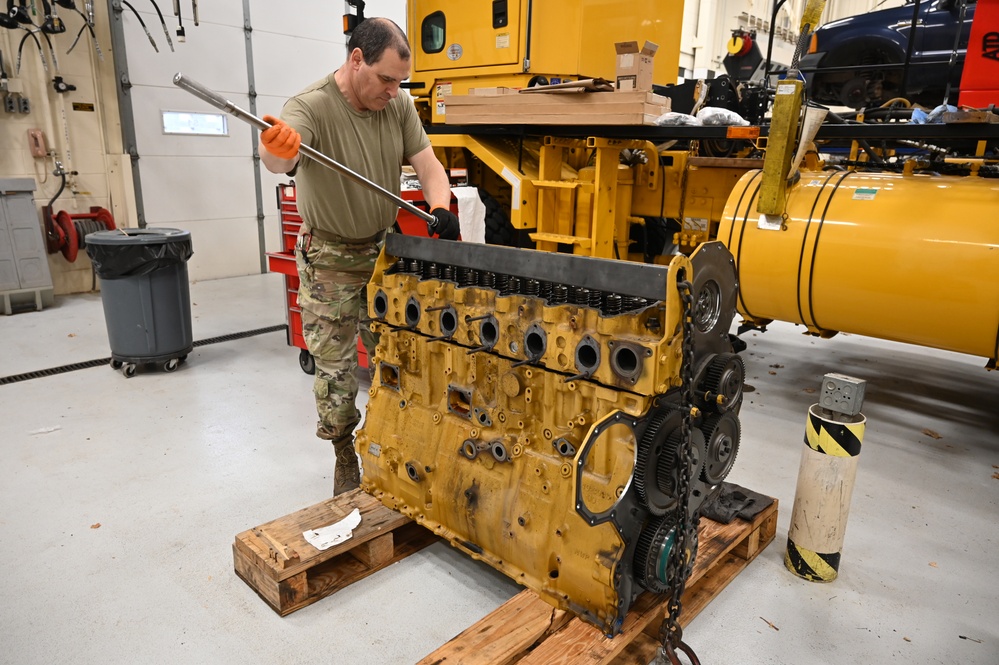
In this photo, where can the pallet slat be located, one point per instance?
(724, 550)
(289, 573)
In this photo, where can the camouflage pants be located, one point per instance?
(332, 294)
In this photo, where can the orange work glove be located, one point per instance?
(280, 139)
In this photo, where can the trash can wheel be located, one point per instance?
(307, 362)
(171, 365)
(128, 369)
(116, 364)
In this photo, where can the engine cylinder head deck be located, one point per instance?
(542, 409)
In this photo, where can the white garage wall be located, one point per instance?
(206, 184)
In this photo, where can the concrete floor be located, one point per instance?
(172, 466)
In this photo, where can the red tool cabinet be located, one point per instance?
(284, 262)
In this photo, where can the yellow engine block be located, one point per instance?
(526, 407)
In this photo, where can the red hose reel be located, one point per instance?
(67, 233)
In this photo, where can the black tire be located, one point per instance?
(171, 365)
(499, 230)
(128, 370)
(116, 364)
(306, 362)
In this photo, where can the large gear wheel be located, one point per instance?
(653, 549)
(724, 377)
(668, 467)
(652, 553)
(651, 448)
(722, 434)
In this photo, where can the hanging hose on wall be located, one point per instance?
(88, 24)
(67, 233)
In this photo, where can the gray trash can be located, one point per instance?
(146, 295)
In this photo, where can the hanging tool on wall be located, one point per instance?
(20, 50)
(181, 35)
(88, 24)
(18, 13)
(166, 30)
(142, 23)
(52, 24)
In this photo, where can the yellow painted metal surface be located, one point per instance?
(482, 426)
(908, 258)
(781, 144)
(568, 40)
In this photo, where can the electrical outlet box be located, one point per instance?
(842, 394)
(10, 104)
(23, 105)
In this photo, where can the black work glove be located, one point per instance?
(445, 225)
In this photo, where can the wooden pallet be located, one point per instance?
(527, 630)
(289, 573)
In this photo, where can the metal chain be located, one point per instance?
(677, 569)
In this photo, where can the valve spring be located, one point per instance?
(415, 266)
(448, 273)
(465, 277)
(514, 286)
(503, 284)
(545, 291)
(431, 271)
(487, 279)
(612, 304)
(473, 277)
(531, 287)
(634, 302)
(580, 295)
(560, 294)
(596, 298)
(400, 265)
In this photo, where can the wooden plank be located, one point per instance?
(554, 119)
(272, 541)
(289, 573)
(504, 634)
(974, 117)
(588, 99)
(723, 551)
(555, 109)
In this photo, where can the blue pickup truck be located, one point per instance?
(857, 61)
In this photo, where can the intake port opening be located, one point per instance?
(389, 376)
(499, 451)
(381, 304)
(469, 449)
(626, 360)
(489, 332)
(412, 312)
(459, 402)
(535, 342)
(587, 355)
(412, 472)
(449, 321)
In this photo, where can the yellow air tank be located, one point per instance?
(910, 258)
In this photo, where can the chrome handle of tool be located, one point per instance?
(220, 102)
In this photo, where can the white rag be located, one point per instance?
(471, 214)
(326, 537)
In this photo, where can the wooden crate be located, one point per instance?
(289, 573)
(527, 630)
(589, 108)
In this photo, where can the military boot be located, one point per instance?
(346, 474)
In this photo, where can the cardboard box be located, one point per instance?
(634, 65)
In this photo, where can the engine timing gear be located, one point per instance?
(722, 434)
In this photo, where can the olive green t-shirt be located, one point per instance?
(370, 143)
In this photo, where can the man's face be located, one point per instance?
(378, 84)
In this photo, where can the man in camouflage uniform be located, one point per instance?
(355, 116)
